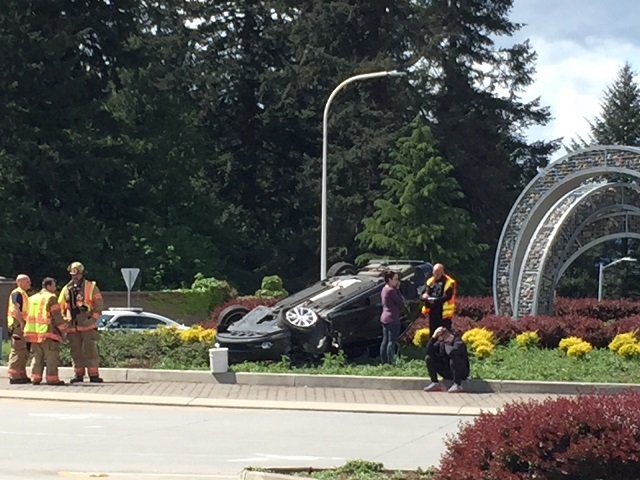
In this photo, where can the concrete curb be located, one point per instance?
(66, 396)
(345, 381)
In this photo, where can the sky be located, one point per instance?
(581, 45)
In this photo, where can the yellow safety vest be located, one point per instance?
(11, 320)
(87, 299)
(39, 320)
(448, 307)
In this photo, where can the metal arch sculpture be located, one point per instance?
(578, 201)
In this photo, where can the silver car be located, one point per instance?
(134, 320)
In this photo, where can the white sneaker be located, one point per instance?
(455, 388)
(433, 387)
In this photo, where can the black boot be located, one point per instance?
(19, 381)
(95, 379)
(36, 382)
(77, 379)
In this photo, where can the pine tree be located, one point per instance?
(619, 121)
(473, 93)
(416, 216)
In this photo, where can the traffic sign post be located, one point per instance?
(129, 275)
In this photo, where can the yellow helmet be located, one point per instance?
(75, 267)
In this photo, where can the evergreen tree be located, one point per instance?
(416, 216)
(472, 91)
(619, 121)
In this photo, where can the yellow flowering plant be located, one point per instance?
(579, 350)
(480, 341)
(197, 334)
(626, 345)
(421, 337)
(528, 339)
(629, 350)
(567, 343)
(621, 340)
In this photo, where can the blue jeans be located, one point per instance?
(390, 333)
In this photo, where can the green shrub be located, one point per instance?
(272, 287)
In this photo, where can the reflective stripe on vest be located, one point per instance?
(38, 326)
(88, 298)
(10, 309)
(448, 307)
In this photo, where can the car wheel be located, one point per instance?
(231, 315)
(341, 268)
(300, 318)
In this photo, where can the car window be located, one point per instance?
(103, 320)
(125, 321)
(148, 322)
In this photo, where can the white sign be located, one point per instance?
(130, 275)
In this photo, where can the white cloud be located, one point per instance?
(571, 78)
(580, 46)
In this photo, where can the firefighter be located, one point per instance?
(44, 328)
(16, 315)
(81, 303)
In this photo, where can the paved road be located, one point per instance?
(80, 440)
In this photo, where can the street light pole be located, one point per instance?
(323, 226)
(601, 268)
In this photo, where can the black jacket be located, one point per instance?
(452, 351)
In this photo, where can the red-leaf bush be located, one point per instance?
(589, 437)
(474, 307)
(407, 337)
(624, 325)
(249, 302)
(504, 329)
(591, 330)
(589, 307)
(550, 329)
(462, 324)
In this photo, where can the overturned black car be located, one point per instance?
(340, 312)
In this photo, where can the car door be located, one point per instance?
(358, 321)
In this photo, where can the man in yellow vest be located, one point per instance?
(44, 328)
(81, 303)
(440, 299)
(16, 315)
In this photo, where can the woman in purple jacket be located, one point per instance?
(392, 303)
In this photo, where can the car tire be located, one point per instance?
(231, 315)
(341, 268)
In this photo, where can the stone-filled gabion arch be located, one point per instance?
(581, 199)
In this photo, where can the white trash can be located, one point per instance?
(219, 360)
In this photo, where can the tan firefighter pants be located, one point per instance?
(19, 356)
(45, 353)
(84, 352)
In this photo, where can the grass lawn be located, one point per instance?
(506, 363)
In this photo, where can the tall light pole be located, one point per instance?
(601, 268)
(323, 226)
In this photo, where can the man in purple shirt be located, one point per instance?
(392, 303)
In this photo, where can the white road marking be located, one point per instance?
(186, 476)
(74, 416)
(262, 457)
(41, 434)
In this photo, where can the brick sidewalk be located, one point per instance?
(299, 395)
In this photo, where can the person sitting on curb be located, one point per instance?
(447, 356)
